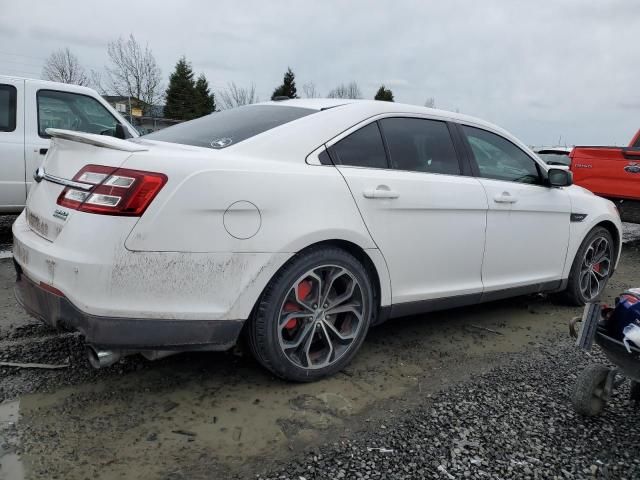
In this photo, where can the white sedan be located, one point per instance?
(300, 224)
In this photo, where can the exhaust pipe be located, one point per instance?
(102, 358)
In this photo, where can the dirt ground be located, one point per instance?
(213, 415)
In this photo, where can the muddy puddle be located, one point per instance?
(10, 463)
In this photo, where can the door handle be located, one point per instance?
(381, 191)
(505, 197)
(43, 151)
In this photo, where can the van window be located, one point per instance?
(73, 111)
(7, 108)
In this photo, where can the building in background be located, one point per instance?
(146, 118)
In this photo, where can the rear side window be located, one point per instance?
(223, 129)
(420, 145)
(637, 144)
(499, 159)
(363, 148)
(7, 108)
(73, 111)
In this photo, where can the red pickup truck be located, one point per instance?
(613, 173)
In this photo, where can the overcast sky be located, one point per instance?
(565, 69)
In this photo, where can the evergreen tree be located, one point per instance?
(180, 95)
(288, 87)
(384, 94)
(205, 102)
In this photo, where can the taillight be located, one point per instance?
(115, 191)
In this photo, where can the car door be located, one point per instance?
(12, 167)
(427, 219)
(527, 222)
(60, 109)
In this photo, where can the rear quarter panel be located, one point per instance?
(290, 205)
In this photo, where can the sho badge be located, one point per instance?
(61, 214)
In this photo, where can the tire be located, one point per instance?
(328, 335)
(588, 392)
(635, 392)
(581, 269)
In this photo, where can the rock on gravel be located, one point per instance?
(514, 422)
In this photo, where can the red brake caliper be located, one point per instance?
(304, 289)
(596, 268)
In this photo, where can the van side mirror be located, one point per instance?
(120, 132)
(559, 177)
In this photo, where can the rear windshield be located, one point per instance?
(226, 128)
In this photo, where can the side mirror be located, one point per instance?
(120, 132)
(559, 177)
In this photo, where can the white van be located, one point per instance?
(27, 108)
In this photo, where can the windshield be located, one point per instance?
(229, 127)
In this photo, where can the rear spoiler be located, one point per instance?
(96, 140)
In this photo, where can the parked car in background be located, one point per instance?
(301, 223)
(613, 173)
(555, 155)
(27, 108)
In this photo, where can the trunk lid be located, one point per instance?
(69, 153)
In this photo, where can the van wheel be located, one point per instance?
(313, 316)
(591, 268)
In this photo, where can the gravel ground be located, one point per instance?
(514, 422)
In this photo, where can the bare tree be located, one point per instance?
(309, 90)
(97, 83)
(351, 90)
(133, 71)
(430, 102)
(63, 66)
(234, 96)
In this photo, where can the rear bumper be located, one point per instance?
(124, 333)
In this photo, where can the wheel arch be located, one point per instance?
(372, 260)
(615, 233)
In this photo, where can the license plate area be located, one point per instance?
(45, 228)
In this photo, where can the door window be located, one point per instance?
(499, 159)
(72, 111)
(7, 108)
(363, 148)
(420, 145)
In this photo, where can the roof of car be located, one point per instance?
(375, 107)
(370, 108)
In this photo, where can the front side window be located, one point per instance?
(363, 148)
(499, 159)
(7, 108)
(73, 111)
(229, 127)
(420, 145)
